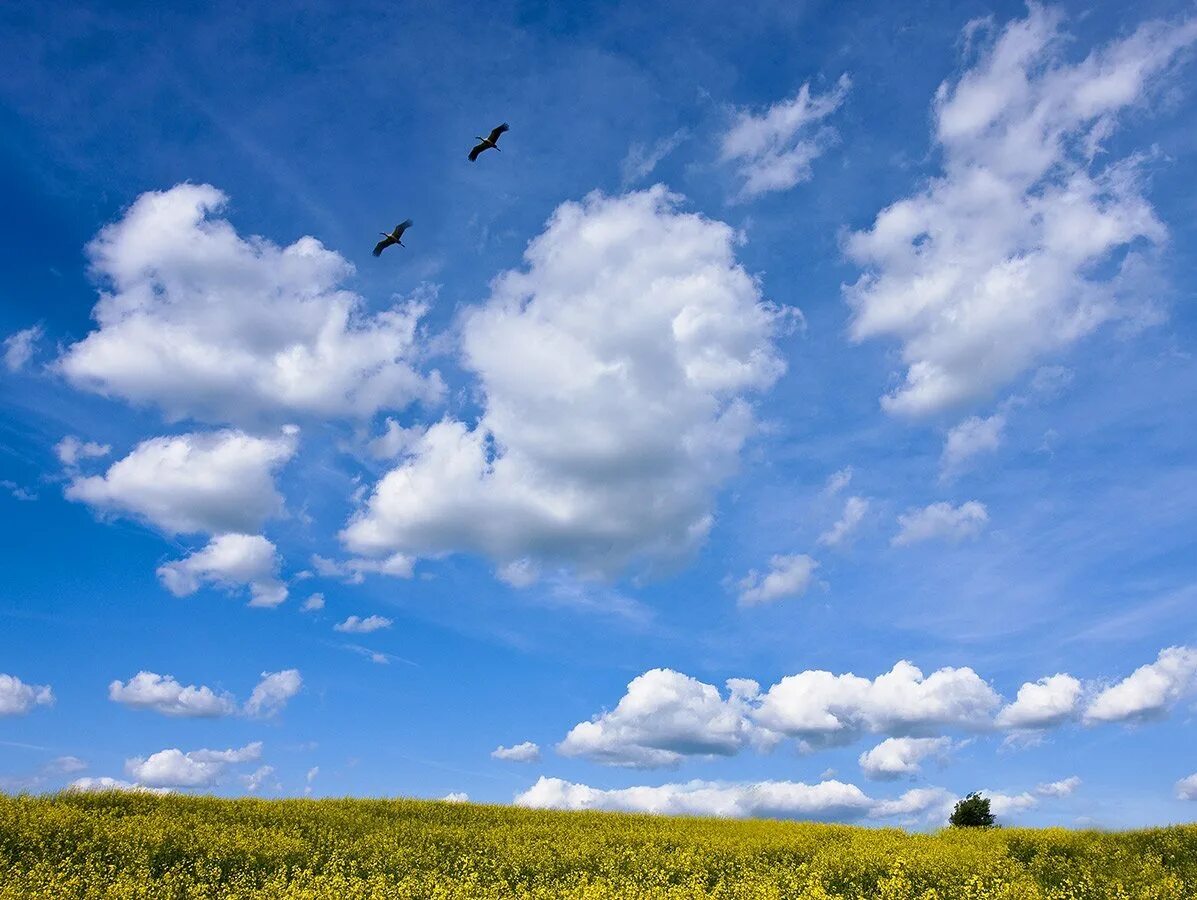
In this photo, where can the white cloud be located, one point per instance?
(64, 765)
(163, 694)
(526, 752)
(456, 797)
(395, 441)
(20, 346)
(855, 509)
(255, 779)
(199, 768)
(1004, 258)
(71, 451)
(519, 573)
(940, 521)
(968, 439)
(313, 603)
(1186, 788)
(774, 150)
(1042, 704)
(641, 158)
(896, 757)
(201, 322)
(105, 783)
(1062, 788)
(788, 576)
(1007, 804)
(203, 482)
(229, 561)
(1149, 691)
(309, 778)
(271, 694)
(18, 698)
(358, 625)
(933, 803)
(839, 480)
(615, 372)
(354, 571)
(832, 800)
(823, 708)
(664, 717)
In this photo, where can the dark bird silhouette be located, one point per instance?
(392, 238)
(488, 142)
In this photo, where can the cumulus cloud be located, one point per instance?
(255, 779)
(1186, 788)
(314, 603)
(198, 768)
(774, 150)
(526, 752)
(456, 797)
(819, 707)
(202, 482)
(897, 757)
(1149, 691)
(940, 521)
(71, 451)
(199, 321)
(615, 372)
(972, 437)
(358, 625)
(105, 783)
(1063, 788)
(1042, 704)
(18, 698)
(932, 803)
(271, 694)
(163, 694)
(826, 800)
(1024, 244)
(1007, 804)
(788, 576)
(229, 561)
(20, 346)
(663, 717)
(855, 509)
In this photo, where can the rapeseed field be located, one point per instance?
(128, 845)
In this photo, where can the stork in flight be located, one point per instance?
(488, 142)
(392, 238)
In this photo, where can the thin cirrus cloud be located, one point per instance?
(164, 695)
(998, 261)
(617, 365)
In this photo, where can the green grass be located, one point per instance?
(139, 845)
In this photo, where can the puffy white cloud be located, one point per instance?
(1186, 788)
(940, 521)
(1063, 788)
(105, 783)
(970, 438)
(934, 803)
(199, 768)
(1007, 804)
(896, 757)
(526, 752)
(271, 694)
(71, 451)
(255, 779)
(774, 151)
(819, 707)
(855, 509)
(781, 799)
(1149, 691)
(1042, 704)
(456, 797)
(395, 441)
(788, 576)
(229, 561)
(313, 603)
(202, 482)
(663, 717)
(201, 322)
(358, 625)
(615, 372)
(163, 694)
(18, 698)
(1007, 256)
(19, 347)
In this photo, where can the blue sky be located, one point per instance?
(778, 340)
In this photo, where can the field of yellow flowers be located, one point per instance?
(139, 845)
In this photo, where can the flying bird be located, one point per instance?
(488, 142)
(392, 238)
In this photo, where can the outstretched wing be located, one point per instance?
(382, 245)
(474, 153)
(495, 132)
(402, 227)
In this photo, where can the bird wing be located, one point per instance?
(382, 245)
(495, 132)
(474, 153)
(402, 227)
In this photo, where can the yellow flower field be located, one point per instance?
(125, 845)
